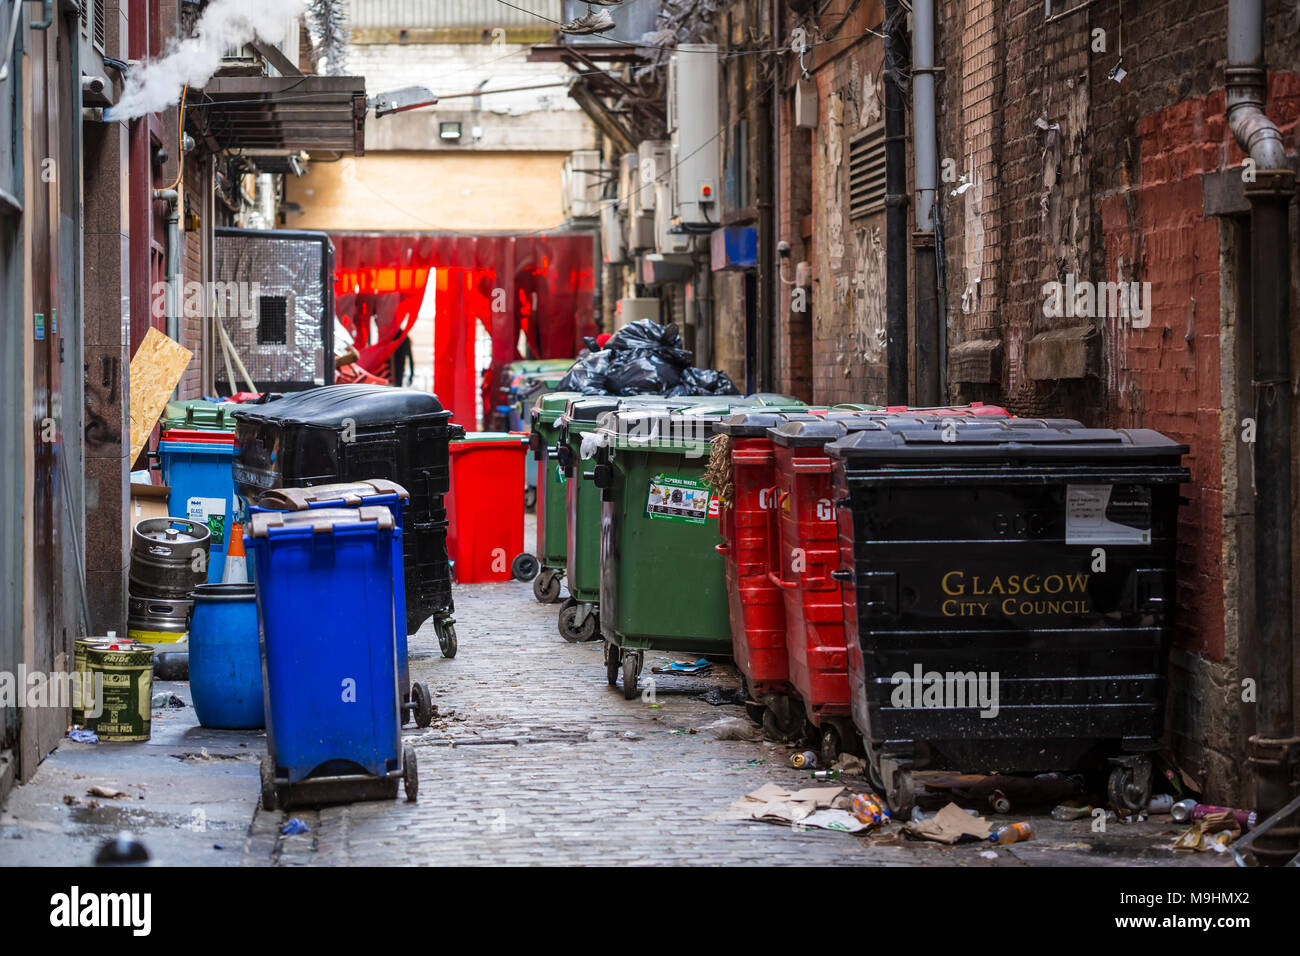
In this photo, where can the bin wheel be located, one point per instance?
(410, 776)
(611, 664)
(873, 771)
(525, 567)
(573, 632)
(530, 499)
(270, 800)
(546, 586)
(421, 704)
(782, 720)
(830, 744)
(446, 638)
(900, 789)
(630, 672)
(755, 712)
(1129, 785)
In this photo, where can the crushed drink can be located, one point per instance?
(803, 761)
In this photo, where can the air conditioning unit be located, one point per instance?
(612, 246)
(667, 242)
(633, 310)
(628, 176)
(651, 164)
(693, 128)
(582, 181)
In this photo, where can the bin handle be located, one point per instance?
(722, 548)
(812, 467)
(842, 575)
(775, 578)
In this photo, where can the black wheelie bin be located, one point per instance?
(1009, 591)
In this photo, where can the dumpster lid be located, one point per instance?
(773, 398)
(318, 520)
(819, 431)
(489, 438)
(347, 493)
(987, 437)
(551, 405)
(755, 424)
(332, 405)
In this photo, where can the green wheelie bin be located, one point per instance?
(579, 619)
(552, 538)
(662, 579)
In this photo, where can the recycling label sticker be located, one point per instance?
(211, 512)
(1107, 514)
(672, 498)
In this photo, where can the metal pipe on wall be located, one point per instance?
(896, 338)
(1274, 750)
(925, 177)
(174, 295)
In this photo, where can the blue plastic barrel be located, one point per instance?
(202, 489)
(325, 616)
(225, 664)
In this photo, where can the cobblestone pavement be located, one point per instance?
(534, 760)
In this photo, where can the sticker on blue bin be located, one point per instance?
(211, 512)
(1107, 514)
(672, 498)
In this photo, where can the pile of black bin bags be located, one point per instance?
(643, 358)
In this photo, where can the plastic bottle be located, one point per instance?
(1013, 833)
(868, 809)
(807, 759)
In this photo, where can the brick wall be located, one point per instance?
(1117, 196)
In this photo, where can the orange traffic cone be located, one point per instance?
(236, 569)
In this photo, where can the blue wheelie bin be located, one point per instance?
(326, 626)
(416, 699)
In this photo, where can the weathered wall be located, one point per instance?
(1078, 176)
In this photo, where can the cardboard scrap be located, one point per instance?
(823, 808)
(1214, 831)
(155, 371)
(949, 825)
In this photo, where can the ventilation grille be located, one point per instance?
(867, 172)
(99, 23)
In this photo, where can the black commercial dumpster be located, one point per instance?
(1009, 590)
(355, 433)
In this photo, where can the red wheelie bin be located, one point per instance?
(757, 610)
(485, 508)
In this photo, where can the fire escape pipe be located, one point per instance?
(896, 344)
(1274, 748)
(926, 176)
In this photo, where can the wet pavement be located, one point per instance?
(534, 759)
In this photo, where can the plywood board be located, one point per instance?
(155, 371)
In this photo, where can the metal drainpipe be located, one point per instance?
(174, 295)
(925, 150)
(896, 348)
(1274, 748)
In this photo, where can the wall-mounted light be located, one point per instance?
(449, 131)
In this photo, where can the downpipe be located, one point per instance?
(1274, 749)
(926, 176)
(896, 344)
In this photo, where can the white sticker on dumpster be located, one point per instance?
(211, 512)
(1101, 514)
(671, 498)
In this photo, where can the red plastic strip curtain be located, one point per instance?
(540, 285)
